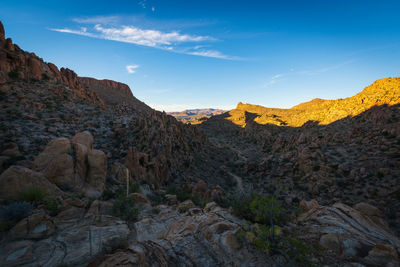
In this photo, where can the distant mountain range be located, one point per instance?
(196, 116)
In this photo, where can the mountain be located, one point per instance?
(114, 93)
(195, 116)
(382, 92)
(92, 176)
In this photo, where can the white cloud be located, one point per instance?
(97, 19)
(173, 41)
(131, 68)
(211, 53)
(80, 32)
(153, 38)
(153, 8)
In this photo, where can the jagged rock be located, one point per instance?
(2, 33)
(9, 45)
(18, 179)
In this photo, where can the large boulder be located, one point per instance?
(84, 138)
(96, 177)
(17, 179)
(74, 165)
(53, 149)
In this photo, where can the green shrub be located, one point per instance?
(125, 208)
(258, 209)
(33, 195)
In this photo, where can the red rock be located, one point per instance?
(2, 33)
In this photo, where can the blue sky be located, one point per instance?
(199, 54)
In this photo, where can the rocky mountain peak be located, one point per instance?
(2, 33)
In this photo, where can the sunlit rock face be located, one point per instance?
(382, 92)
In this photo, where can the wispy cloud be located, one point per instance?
(97, 20)
(170, 41)
(279, 77)
(325, 69)
(274, 79)
(131, 68)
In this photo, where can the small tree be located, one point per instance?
(266, 210)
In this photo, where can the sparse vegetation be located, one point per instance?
(124, 207)
(33, 195)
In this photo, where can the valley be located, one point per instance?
(92, 176)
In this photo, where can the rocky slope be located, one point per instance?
(114, 93)
(91, 176)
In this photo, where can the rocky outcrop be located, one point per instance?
(351, 234)
(114, 93)
(16, 64)
(40, 240)
(196, 237)
(17, 179)
(74, 164)
(154, 172)
(2, 33)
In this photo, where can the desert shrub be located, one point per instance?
(125, 208)
(258, 209)
(263, 214)
(33, 195)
